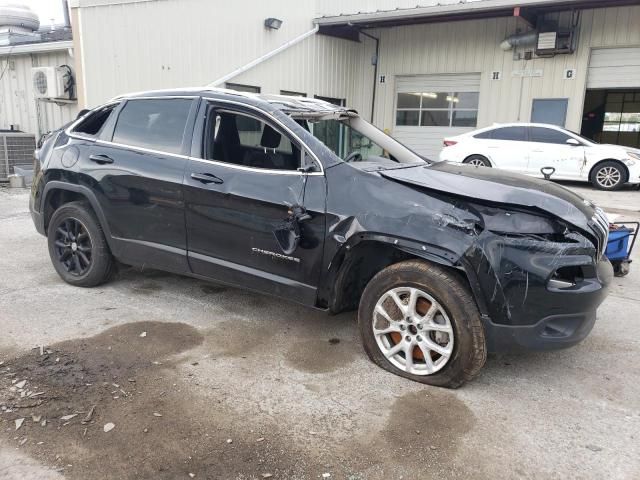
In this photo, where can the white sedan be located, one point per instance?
(533, 148)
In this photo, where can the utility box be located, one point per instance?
(15, 149)
(49, 82)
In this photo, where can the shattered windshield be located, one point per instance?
(357, 141)
(344, 140)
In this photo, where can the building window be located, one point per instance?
(289, 93)
(437, 109)
(238, 87)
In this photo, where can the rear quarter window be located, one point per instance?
(156, 124)
(514, 134)
(484, 135)
(95, 121)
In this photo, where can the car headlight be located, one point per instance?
(632, 158)
(506, 222)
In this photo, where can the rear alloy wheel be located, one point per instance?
(419, 321)
(609, 176)
(77, 246)
(72, 246)
(478, 161)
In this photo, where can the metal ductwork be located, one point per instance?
(18, 17)
(65, 11)
(519, 40)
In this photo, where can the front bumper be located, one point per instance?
(559, 330)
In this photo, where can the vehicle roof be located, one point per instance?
(293, 105)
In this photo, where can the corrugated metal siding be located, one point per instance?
(18, 105)
(340, 7)
(162, 44)
(172, 43)
(614, 68)
(323, 66)
(473, 46)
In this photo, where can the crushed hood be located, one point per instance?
(498, 186)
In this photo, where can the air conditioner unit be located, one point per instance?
(49, 82)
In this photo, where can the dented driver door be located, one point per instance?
(240, 194)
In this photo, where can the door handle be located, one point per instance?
(207, 178)
(101, 159)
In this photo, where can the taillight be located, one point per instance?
(449, 143)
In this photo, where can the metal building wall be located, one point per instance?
(473, 47)
(170, 43)
(18, 105)
(320, 65)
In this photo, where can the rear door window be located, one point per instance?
(156, 124)
(548, 135)
(514, 134)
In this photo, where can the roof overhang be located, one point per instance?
(341, 25)
(26, 48)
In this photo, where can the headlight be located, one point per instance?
(503, 221)
(632, 158)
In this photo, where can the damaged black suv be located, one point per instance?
(305, 200)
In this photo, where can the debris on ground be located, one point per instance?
(66, 418)
(108, 427)
(89, 415)
(229, 440)
(156, 414)
(267, 475)
(19, 422)
(143, 334)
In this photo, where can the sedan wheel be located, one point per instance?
(477, 161)
(413, 331)
(609, 176)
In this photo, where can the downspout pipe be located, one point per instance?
(65, 11)
(264, 57)
(375, 71)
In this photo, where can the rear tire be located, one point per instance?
(478, 161)
(609, 175)
(78, 247)
(443, 332)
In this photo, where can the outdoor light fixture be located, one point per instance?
(273, 23)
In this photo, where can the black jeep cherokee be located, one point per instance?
(305, 200)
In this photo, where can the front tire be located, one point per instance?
(477, 161)
(419, 321)
(609, 175)
(78, 247)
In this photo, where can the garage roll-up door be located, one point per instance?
(429, 108)
(614, 68)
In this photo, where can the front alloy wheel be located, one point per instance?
(420, 321)
(609, 175)
(413, 331)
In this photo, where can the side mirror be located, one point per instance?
(573, 142)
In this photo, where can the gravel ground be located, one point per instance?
(206, 380)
